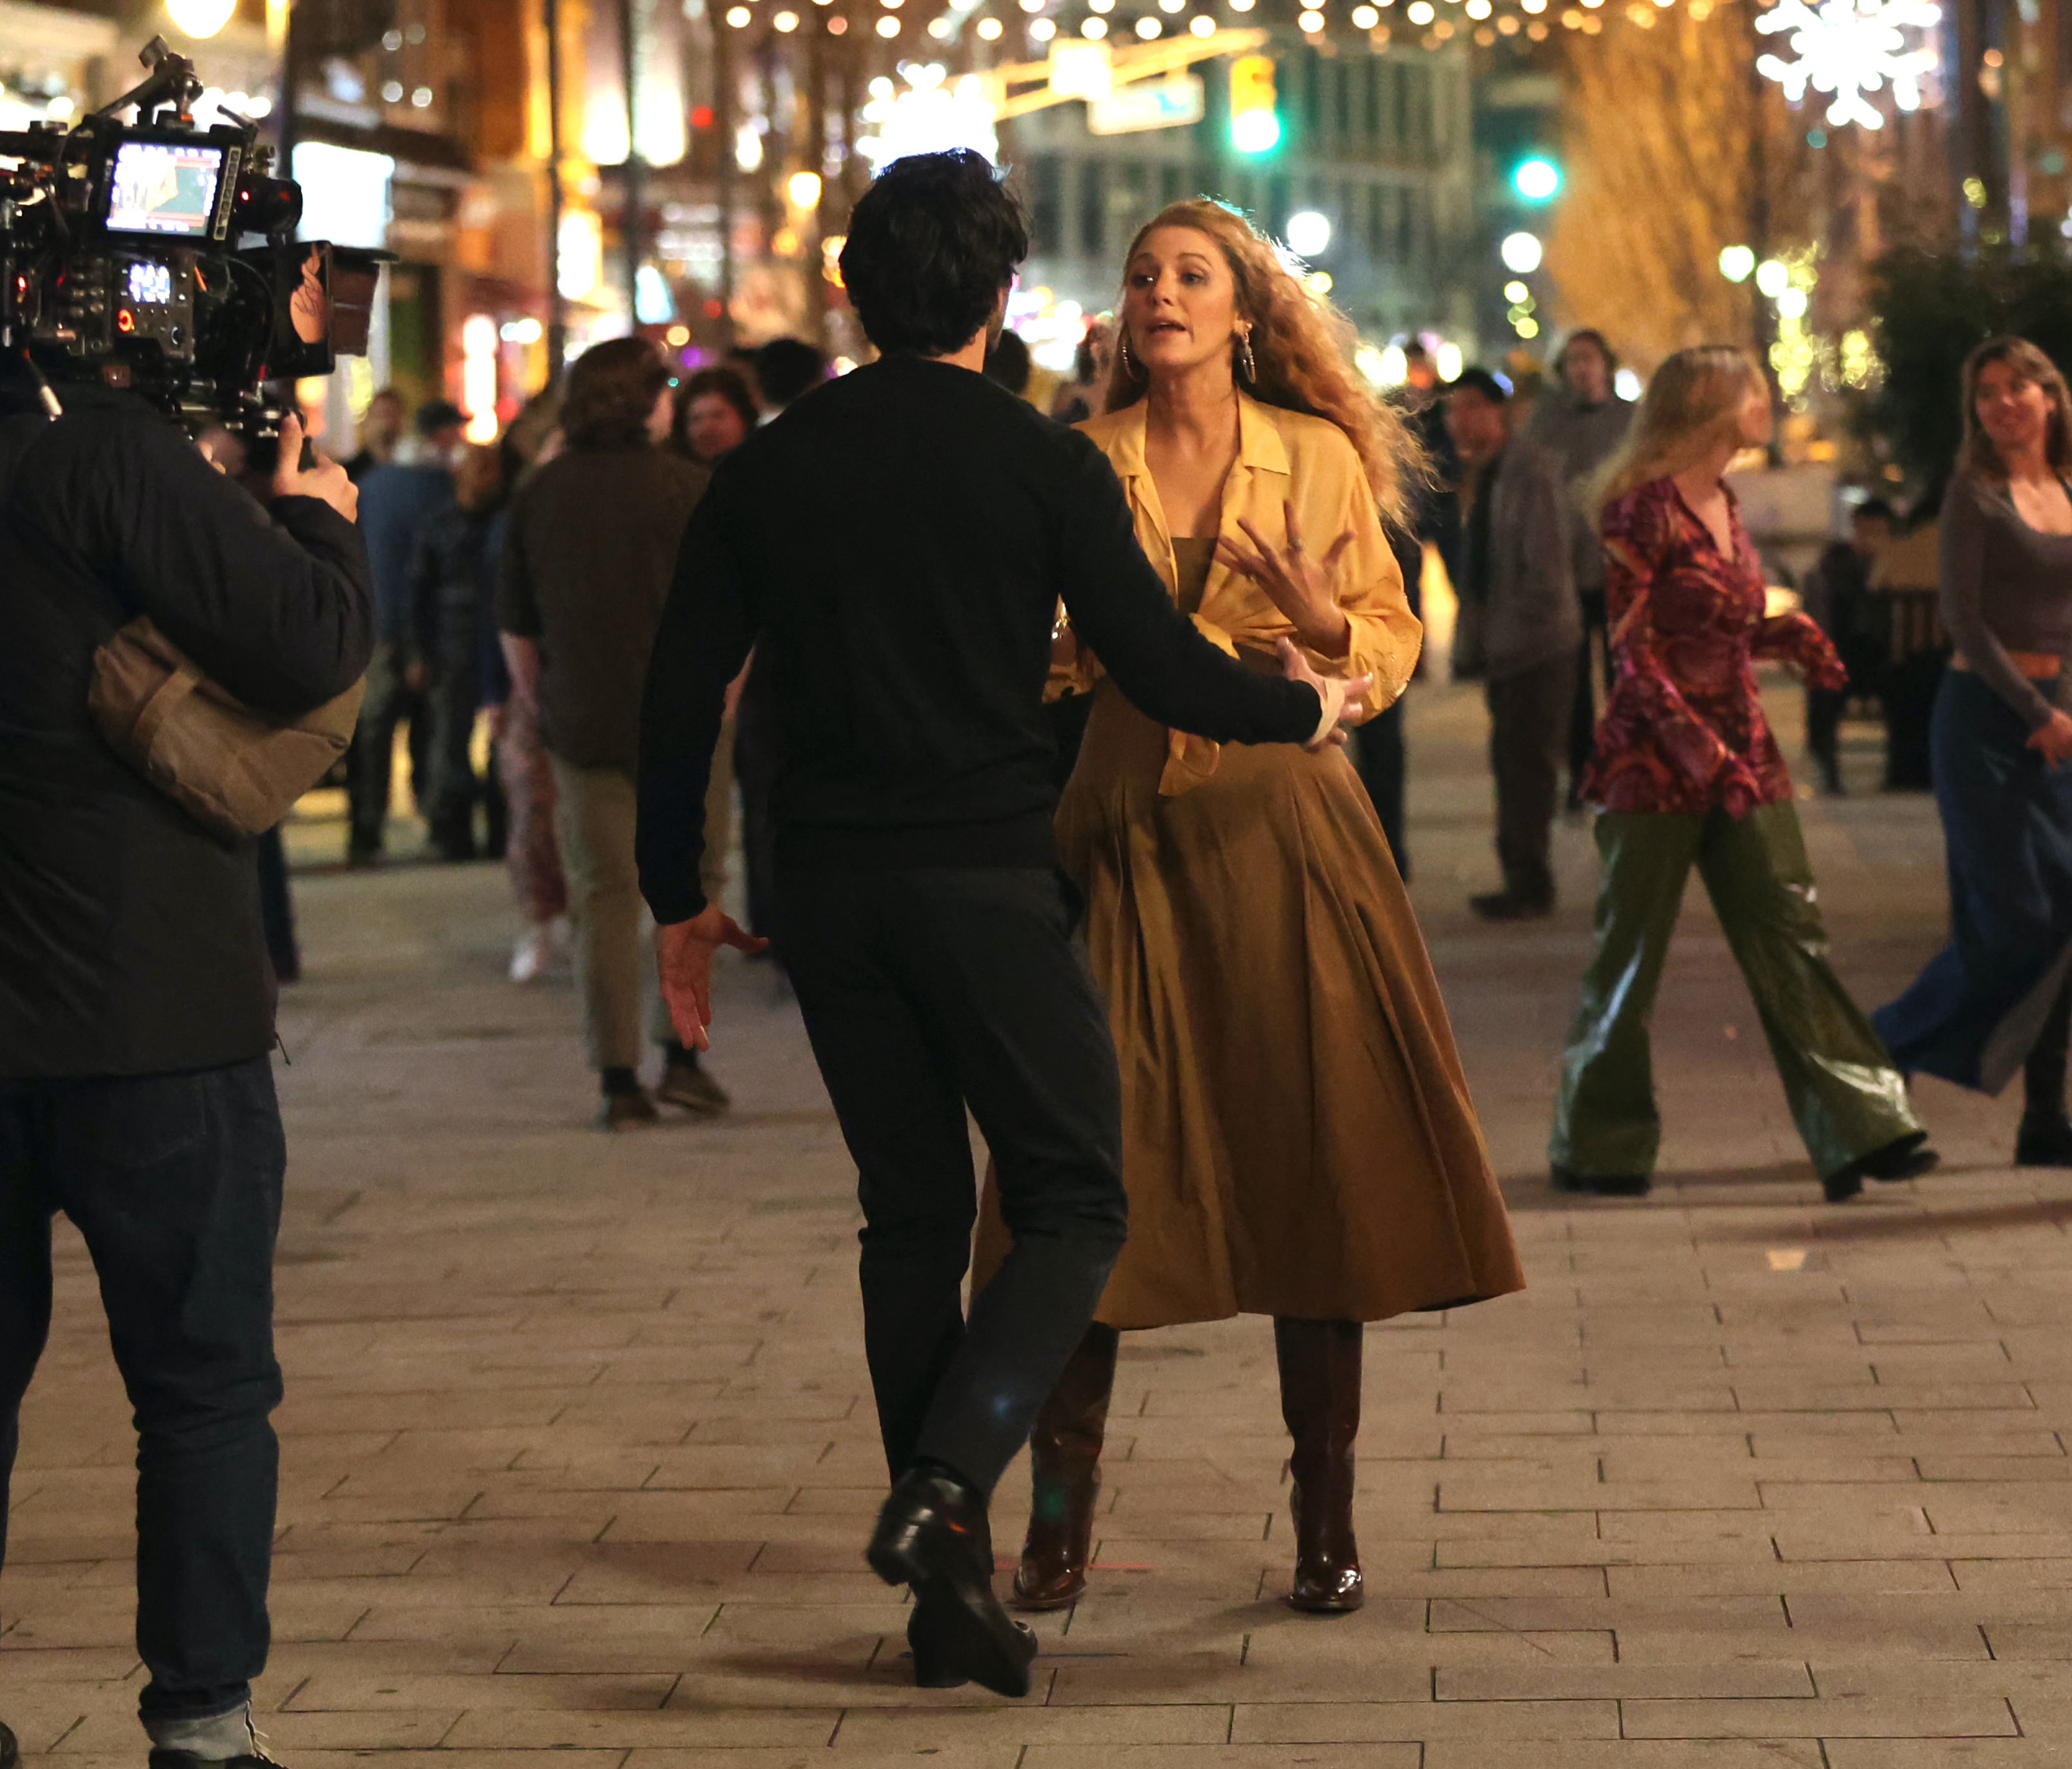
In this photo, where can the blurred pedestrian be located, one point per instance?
(715, 412)
(741, 359)
(594, 534)
(531, 854)
(1379, 752)
(396, 499)
(1518, 630)
(1836, 591)
(1999, 997)
(453, 595)
(786, 369)
(1075, 402)
(381, 428)
(1688, 774)
(1258, 953)
(1438, 513)
(1008, 363)
(1581, 421)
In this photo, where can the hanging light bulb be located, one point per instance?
(200, 18)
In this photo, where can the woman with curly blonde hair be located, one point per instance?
(1298, 1139)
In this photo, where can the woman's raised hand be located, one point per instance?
(1298, 583)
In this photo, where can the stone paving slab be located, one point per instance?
(578, 1452)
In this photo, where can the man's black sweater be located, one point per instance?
(896, 546)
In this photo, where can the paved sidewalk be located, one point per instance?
(578, 1454)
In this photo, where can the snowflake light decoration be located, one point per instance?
(1851, 49)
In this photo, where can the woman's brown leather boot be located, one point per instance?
(1064, 1466)
(1320, 1399)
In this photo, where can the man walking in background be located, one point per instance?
(593, 537)
(1581, 421)
(1519, 629)
(396, 499)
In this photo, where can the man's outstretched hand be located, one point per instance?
(1344, 702)
(685, 950)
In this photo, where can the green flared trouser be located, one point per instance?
(1846, 1097)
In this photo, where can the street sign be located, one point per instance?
(1164, 104)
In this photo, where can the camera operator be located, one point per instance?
(136, 1001)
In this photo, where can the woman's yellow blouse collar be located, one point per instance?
(1120, 436)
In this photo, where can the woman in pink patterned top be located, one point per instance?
(1687, 774)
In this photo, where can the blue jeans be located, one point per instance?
(1980, 1005)
(175, 1181)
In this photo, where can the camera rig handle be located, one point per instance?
(172, 80)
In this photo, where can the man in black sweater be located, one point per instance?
(896, 548)
(136, 1000)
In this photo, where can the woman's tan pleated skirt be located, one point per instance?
(1298, 1135)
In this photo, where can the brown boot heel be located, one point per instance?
(1064, 1456)
(1320, 1401)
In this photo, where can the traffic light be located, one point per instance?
(1537, 179)
(1255, 124)
(706, 144)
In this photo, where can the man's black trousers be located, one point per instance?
(925, 991)
(174, 1182)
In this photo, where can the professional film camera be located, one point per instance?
(121, 261)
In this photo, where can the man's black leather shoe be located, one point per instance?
(10, 1753)
(932, 1535)
(932, 1666)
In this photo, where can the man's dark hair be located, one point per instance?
(612, 389)
(788, 369)
(1479, 380)
(1008, 363)
(1585, 334)
(435, 416)
(1874, 509)
(931, 246)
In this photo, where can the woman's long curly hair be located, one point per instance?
(1303, 349)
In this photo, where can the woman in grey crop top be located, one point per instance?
(1999, 997)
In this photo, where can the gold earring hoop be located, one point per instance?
(1122, 349)
(1247, 369)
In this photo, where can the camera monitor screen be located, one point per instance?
(164, 187)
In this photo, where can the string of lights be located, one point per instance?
(1427, 24)
(1430, 24)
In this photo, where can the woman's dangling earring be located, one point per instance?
(1247, 369)
(1122, 349)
